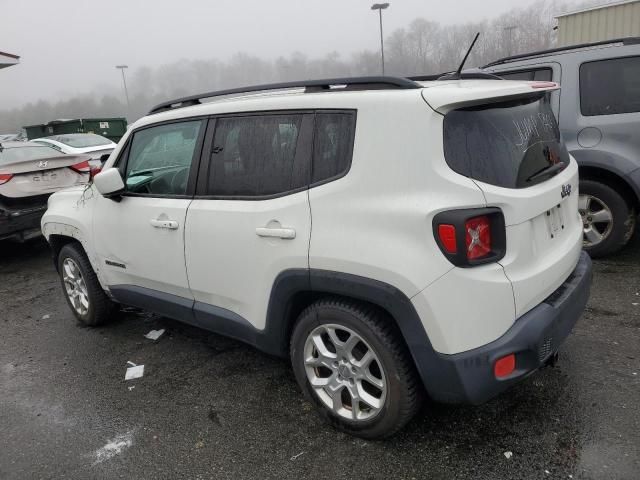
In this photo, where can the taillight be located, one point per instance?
(82, 167)
(471, 237)
(478, 237)
(447, 235)
(94, 171)
(5, 177)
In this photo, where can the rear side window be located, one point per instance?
(256, 156)
(513, 144)
(538, 75)
(332, 145)
(610, 86)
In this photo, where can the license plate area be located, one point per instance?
(555, 220)
(45, 177)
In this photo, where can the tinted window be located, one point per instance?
(160, 158)
(538, 75)
(512, 144)
(333, 145)
(256, 156)
(610, 86)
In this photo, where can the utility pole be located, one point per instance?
(380, 7)
(510, 29)
(124, 83)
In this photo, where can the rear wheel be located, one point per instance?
(354, 367)
(608, 221)
(83, 292)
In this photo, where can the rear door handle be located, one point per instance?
(169, 224)
(286, 233)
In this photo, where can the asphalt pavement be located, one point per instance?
(211, 408)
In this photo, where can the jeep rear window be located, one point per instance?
(513, 144)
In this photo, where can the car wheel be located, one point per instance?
(83, 292)
(608, 221)
(352, 364)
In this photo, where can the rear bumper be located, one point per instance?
(21, 224)
(468, 377)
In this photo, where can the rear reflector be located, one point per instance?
(82, 167)
(447, 234)
(505, 366)
(478, 237)
(5, 177)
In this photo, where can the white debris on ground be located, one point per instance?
(134, 371)
(46, 317)
(132, 387)
(508, 454)
(113, 447)
(296, 456)
(154, 334)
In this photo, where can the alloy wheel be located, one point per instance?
(597, 219)
(75, 286)
(345, 372)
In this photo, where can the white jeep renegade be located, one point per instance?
(390, 236)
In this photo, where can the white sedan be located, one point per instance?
(80, 143)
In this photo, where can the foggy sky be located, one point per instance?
(71, 46)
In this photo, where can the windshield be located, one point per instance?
(15, 154)
(82, 140)
(513, 144)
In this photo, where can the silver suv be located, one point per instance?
(598, 110)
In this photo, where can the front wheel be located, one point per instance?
(608, 221)
(83, 292)
(352, 364)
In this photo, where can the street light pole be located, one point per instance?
(380, 7)
(510, 29)
(124, 82)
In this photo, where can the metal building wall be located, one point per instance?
(615, 21)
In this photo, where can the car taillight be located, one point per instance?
(470, 237)
(5, 177)
(447, 235)
(82, 167)
(478, 237)
(94, 171)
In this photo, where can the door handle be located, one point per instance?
(286, 233)
(169, 224)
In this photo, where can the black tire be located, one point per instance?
(404, 389)
(100, 306)
(624, 218)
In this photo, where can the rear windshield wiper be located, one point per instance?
(546, 171)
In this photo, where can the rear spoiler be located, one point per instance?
(443, 99)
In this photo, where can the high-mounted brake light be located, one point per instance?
(447, 235)
(82, 167)
(478, 237)
(544, 85)
(5, 177)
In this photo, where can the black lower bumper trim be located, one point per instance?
(468, 377)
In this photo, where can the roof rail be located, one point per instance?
(463, 76)
(353, 83)
(512, 58)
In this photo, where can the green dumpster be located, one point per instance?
(112, 128)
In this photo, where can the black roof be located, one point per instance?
(513, 58)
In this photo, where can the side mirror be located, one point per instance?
(109, 183)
